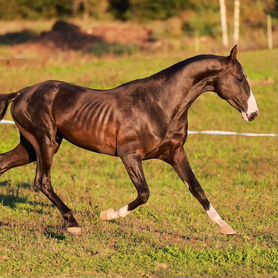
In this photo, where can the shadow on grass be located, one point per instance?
(52, 233)
(25, 185)
(14, 201)
(4, 183)
(67, 36)
(14, 38)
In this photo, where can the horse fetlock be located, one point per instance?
(144, 197)
(70, 220)
(71, 226)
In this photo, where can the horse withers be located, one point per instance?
(139, 120)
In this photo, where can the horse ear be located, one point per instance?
(233, 53)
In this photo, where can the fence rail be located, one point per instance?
(207, 132)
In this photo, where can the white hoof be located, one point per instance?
(76, 231)
(107, 214)
(227, 230)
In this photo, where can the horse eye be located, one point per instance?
(239, 78)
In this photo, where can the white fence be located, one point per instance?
(207, 132)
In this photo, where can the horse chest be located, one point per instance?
(173, 139)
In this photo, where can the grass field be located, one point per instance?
(171, 236)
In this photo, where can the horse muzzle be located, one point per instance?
(252, 109)
(250, 117)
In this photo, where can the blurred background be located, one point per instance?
(126, 27)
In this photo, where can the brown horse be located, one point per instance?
(139, 120)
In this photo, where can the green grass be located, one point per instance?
(170, 236)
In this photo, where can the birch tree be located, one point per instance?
(224, 27)
(236, 20)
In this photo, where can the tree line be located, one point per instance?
(116, 9)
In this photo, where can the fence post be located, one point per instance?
(269, 32)
(224, 27)
(236, 20)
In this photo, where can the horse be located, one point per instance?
(143, 119)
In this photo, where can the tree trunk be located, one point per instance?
(236, 20)
(223, 17)
(269, 32)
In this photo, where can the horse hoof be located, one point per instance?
(106, 214)
(227, 230)
(76, 231)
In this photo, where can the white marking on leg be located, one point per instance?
(123, 212)
(215, 217)
(112, 214)
(186, 184)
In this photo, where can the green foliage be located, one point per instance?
(199, 17)
(274, 10)
(144, 9)
(103, 48)
(35, 9)
(203, 23)
(205, 20)
(120, 9)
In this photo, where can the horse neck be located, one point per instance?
(181, 86)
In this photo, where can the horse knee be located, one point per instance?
(144, 196)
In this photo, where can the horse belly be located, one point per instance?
(101, 141)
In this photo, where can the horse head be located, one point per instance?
(232, 85)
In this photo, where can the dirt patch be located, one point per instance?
(64, 36)
(124, 34)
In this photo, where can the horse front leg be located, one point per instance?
(134, 168)
(182, 167)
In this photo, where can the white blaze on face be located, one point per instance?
(251, 104)
(251, 107)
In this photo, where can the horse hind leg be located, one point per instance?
(45, 148)
(23, 154)
(43, 182)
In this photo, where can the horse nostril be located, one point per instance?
(253, 115)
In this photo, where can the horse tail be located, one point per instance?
(4, 103)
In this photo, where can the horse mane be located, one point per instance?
(167, 72)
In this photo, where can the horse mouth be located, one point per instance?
(246, 116)
(249, 117)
